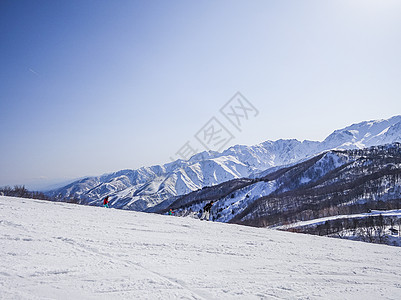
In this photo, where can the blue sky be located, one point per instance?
(88, 87)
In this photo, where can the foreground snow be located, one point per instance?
(65, 251)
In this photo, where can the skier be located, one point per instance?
(106, 202)
(206, 211)
(170, 212)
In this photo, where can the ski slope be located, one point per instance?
(64, 251)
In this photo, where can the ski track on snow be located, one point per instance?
(64, 251)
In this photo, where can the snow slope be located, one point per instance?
(64, 251)
(147, 187)
(386, 213)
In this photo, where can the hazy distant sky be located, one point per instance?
(88, 87)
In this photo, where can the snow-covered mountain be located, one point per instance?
(147, 187)
(365, 134)
(336, 182)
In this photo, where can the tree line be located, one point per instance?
(372, 229)
(21, 191)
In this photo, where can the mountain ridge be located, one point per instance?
(146, 187)
(331, 183)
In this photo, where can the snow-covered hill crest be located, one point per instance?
(46, 254)
(147, 187)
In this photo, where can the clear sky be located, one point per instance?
(89, 87)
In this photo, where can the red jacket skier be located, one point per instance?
(106, 202)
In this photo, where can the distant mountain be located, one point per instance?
(332, 183)
(366, 134)
(156, 187)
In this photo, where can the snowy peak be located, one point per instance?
(147, 187)
(365, 134)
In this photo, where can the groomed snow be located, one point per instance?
(66, 251)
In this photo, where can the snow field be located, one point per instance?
(64, 251)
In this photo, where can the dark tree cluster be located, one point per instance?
(370, 229)
(20, 191)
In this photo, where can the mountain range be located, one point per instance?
(157, 187)
(332, 183)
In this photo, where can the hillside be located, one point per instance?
(144, 188)
(355, 181)
(66, 251)
(336, 182)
